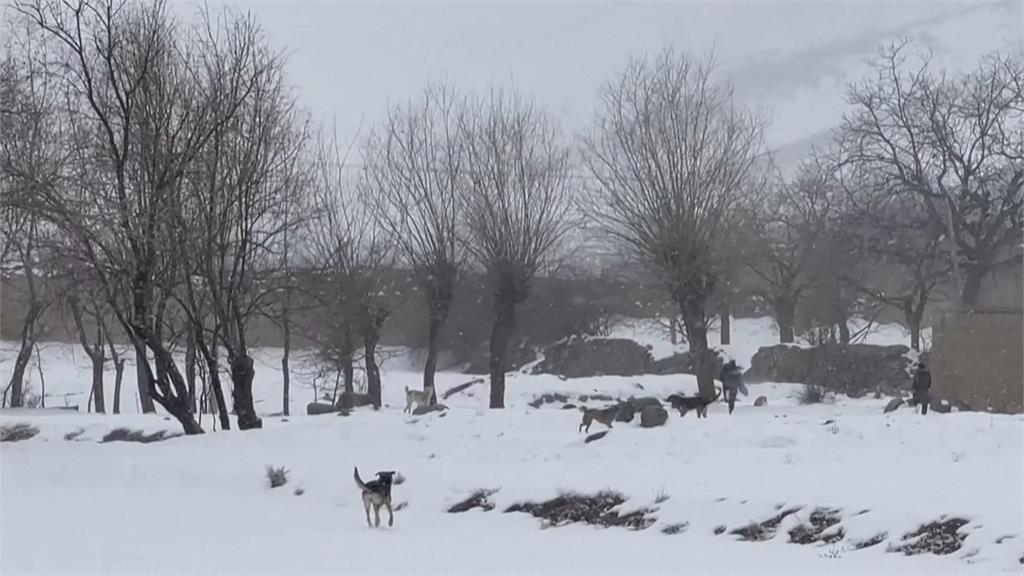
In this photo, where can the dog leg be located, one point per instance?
(366, 507)
(391, 515)
(376, 516)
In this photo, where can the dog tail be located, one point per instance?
(359, 481)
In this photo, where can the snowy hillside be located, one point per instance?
(71, 504)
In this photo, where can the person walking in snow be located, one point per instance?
(732, 382)
(922, 384)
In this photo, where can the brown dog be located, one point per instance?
(605, 416)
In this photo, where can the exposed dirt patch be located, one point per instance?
(677, 528)
(597, 510)
(939, 537)
(126, 435)
(821, 519)
(479, 499)
(761, 531)
(17, 432)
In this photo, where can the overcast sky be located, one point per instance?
(350, 60)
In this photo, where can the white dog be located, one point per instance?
(417, 397)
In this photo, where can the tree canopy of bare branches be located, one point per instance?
(414, 177)
(353, 255)
(176, 135)
(782, 239)
(517, 205)
(955, 141)
(674, 157)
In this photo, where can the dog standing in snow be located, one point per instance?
(417, 397)
(377, 493)
(605, 416)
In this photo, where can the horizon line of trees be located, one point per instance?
(159, 180)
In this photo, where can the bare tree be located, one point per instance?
(96, 349)
(518, 206)
(895, 232)
(354, 255)
(413, 171)
(142, 99)
(790, 222)
(30, 161)
(233, 215)
(673, 157)
(954, 141)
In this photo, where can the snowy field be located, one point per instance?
(202, 504)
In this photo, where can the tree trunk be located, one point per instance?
(693, 311)
(242, 374)
(972, 286)
(285, 373)
(42, 378)
(501, 332)
(18, 374)
(190, 366)
(372, 370)
(349, 372)
(97, 381)
(28, 342)
(213, 372)
(673, 335)
(913, 313)
(438, 317)
(785, 314)
(143, 376)
(118, 376)
(177, 405)
(726, 325)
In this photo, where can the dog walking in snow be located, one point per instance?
(377, 493)
(417, 397)
(686, 403)
(605, 416)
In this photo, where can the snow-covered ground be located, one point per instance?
(202, 505)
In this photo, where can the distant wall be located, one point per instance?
(978, 357)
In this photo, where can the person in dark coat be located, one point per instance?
(922, 384)
(732, 382)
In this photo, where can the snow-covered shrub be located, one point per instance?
(810, 394)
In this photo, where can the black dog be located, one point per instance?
(377, 493)
(687, 403)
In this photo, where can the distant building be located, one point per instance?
(978, 357)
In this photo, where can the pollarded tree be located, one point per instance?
(517, 203)
(674, 158)
(413, 175)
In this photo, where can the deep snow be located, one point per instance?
(202, 504)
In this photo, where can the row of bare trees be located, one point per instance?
(164, 175)
(921, 188)
(159, 158)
